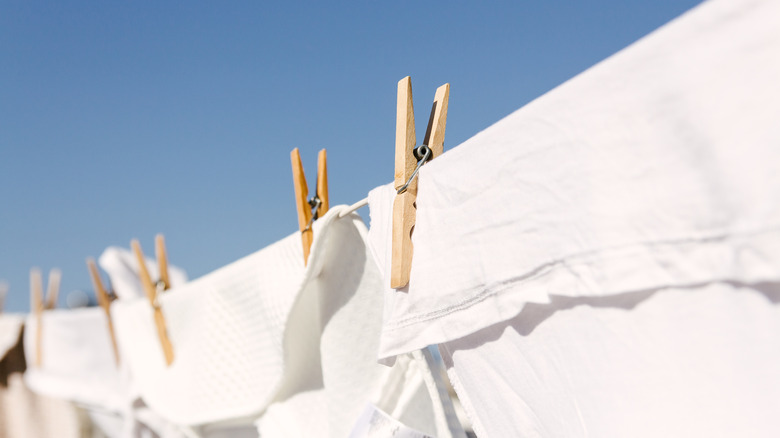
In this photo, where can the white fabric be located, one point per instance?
(77, 362)
(697, 362)
(267, 334)
(121, 265)
(374, 423)
(326, 390)
(226, 330)
(78, 365)
(10, 327)
(657, 167)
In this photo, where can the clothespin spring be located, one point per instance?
(315, 204)
(423, 155)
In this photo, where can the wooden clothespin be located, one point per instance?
(53, 291)
(309, 209)
(104, 299)
(407, 162)
(38, 305)
(152, 291)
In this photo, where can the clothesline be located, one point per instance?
(354, 207)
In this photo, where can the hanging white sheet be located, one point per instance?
(657, 167)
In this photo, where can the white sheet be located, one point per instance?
(680, 362)
(657, 167)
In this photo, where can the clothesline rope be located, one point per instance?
(352, 208)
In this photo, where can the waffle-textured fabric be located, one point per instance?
(226, 329)
(658, 167)
(267, 333)
(121, 265)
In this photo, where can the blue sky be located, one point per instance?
(126, 119)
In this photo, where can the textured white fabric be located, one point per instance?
(10, 327)
(267, 333)
(121, 265)
(335, 328)
(657, 167)
(695, 362)
(226, 330)
(77, 362)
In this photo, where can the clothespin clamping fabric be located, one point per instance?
(104, 300)
(408, 161)
(153, 290)
(309, 209)
(38, 304)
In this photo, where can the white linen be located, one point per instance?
(121, 265)
(657, 167)
(680, 362)
(267, 333)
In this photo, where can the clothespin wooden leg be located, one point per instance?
(52, 292)
(437, 124)
(104, 301)
(151, 294)
(322, 183)
(36, 304)
(162, 260)
(404, 205)
(302, 203)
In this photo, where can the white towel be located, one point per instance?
(266, 333)
(657, 167)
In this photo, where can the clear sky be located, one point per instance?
(126, 119)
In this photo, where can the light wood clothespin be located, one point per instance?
(53, 291)
(309, 209)
(104, 300)
(407, 162)
(152, 291)
(38, 305)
